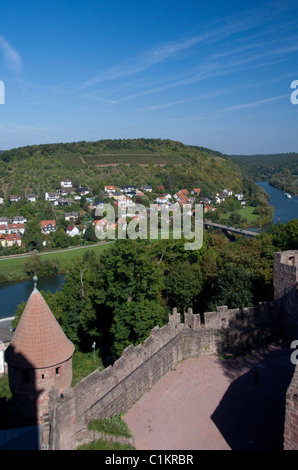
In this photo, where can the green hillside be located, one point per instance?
(280, 169)
(39, 168)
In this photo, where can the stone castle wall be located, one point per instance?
(291, 418)
(286, 291)
(286, 296)
(112, 391)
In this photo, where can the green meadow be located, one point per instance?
(13, 268)
(245, 212)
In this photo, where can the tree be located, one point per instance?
(285, 236)
(59, 239)
(130, 297)
(183, 284)
(32, 265)
(74, 305)
(232, 287)
(32, 237)
(90, 234)
(235, 219)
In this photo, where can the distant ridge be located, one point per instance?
(39, 168)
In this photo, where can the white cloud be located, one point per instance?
(11, 56)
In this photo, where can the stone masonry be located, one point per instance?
(286, 296)
(112, 391)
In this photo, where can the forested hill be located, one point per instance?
(280, 169)
(39, 168)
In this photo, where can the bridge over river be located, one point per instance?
(228, 228)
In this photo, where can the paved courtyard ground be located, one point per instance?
(211, 403)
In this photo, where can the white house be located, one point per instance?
(66, 183)
(161, 200)
(66, 191)
(14, 198)
(31, 197)
(71, 216)
(124, 201)
(72, 230)
(52, 197)
(67, 201)
(219, 199)
(16, 228)
(11, 239)
(19, 219)
(83, 191)
(110, 189)
(48, 226)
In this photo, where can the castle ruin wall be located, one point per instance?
(113, 390)
(286, 291)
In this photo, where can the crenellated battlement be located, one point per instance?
(111, 391)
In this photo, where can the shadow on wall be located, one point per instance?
(251, 414)
(22, 431)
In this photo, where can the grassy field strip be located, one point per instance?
(13, 267)
(245, 212)
(16, 264)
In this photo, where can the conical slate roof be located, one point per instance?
(38, 341)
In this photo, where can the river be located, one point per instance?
(12, 293)
(285, 209)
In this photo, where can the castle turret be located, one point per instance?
(39, 357)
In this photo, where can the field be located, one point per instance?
(245, 212)
(13, 268)
(130, 158)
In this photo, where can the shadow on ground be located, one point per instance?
(251, 414)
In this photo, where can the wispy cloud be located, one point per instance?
(20, 128)
(217, 31)
(210, 48)
(146, 60)
(11, 56)
(254, 104)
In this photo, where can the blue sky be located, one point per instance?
(216, 74)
